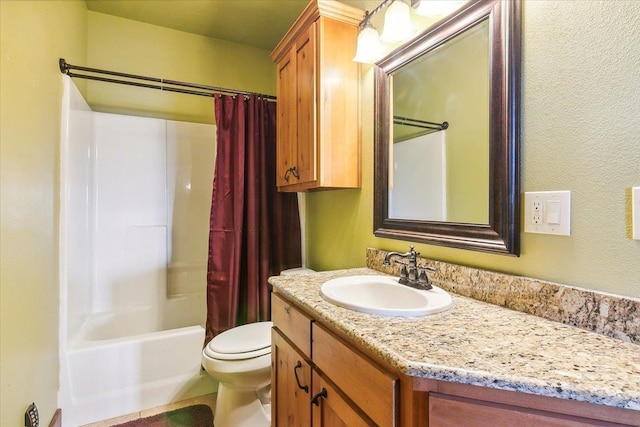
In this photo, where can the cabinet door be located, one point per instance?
(290, 385)
(286, 150)
(369, 386)
(306, 86)
(297, 121)
(330, 409)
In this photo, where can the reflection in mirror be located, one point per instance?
(458, 184)
(442, 175)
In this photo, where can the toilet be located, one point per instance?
(240, 360)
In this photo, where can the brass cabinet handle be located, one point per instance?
(295, 372)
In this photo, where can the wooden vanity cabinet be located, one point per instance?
(355, 388)
(318, 87)
(318, 380)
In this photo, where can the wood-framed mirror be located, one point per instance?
(472, 182)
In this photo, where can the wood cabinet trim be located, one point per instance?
(314, 10)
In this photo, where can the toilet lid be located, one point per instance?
(242, 342)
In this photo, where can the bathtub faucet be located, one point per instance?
(410, 274)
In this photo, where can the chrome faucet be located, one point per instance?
(410, 274)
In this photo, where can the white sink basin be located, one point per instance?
(384, 296)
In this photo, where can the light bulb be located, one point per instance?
(397, 23)
(369, 49)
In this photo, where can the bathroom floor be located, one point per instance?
(209, 400)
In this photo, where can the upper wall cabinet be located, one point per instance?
(318, 127)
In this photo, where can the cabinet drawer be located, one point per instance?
(370, 387)
(453, 411)
(294, 324)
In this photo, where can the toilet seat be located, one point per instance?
(237, 356)
(242, 342)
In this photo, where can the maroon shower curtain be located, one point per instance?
(254, 230)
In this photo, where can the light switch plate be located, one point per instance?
(635, 212)
(547, 212)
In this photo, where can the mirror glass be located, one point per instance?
(442, 174)
(447, 132)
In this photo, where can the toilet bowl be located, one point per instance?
(240, 359)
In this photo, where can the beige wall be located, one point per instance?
(34, 34)
(580, 115)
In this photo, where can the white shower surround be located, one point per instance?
(129, 339)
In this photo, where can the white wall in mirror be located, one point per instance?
(419, 181)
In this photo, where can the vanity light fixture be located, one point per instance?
(397, 25)
(397, 28)
(368, 50)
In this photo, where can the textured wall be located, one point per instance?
(133, 47)
(580, 115)
(34, 35)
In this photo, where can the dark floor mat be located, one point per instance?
(191, 416)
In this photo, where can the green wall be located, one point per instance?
(580, 115)
(580, 119)
(134, 47)
(34, 34)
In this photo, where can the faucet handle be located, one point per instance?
(404, 275)
(423, 279)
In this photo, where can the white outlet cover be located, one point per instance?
(540, 222)
(635, 212)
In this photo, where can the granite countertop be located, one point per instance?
(483, 344)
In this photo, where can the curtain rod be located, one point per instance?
(174, 86)
(407, 121)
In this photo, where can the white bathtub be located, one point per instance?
(134, 221)
(121, 364)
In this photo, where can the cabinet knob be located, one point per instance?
(316, 397)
